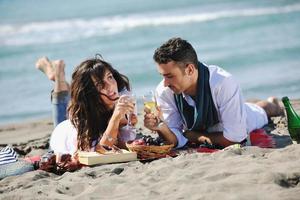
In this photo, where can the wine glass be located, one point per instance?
(128, 132)
(131, 99)
(150, 101)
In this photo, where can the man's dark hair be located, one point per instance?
(176, 49)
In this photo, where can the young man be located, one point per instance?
(201, 103)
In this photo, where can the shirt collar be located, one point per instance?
(189, 99)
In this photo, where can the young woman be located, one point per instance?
(92, 103)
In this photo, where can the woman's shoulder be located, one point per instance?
(66, 124)
(63, 134)
(64, 128)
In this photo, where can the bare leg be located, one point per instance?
(60, 95)
(46, 67)
(271, 106)
(59, 76)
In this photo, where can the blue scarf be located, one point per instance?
(206, 114)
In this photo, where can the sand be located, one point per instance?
(247, 173)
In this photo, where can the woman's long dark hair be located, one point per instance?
(87, 111)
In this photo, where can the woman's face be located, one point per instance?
(108, 89)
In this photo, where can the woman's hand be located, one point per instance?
(134, 119)
(110, 136)
(122, 107)
(100, 149)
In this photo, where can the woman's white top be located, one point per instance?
(64, 138)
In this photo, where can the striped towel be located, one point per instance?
(8, 155)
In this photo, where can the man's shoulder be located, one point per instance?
(218, 72)
(218, 76)
(222, 82)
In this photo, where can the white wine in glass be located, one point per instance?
(150, 105)
(149, 102)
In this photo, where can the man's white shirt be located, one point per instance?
(236, 117)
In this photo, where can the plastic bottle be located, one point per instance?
(293, 120)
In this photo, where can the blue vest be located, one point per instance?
(206, 114)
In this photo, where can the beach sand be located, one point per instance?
(246, 173)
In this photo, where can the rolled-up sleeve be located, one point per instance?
(181, 140)
(165, 100)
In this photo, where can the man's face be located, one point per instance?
(174, 76)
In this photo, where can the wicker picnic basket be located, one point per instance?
(151, 151)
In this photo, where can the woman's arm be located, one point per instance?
(110, 135)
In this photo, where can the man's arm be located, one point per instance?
(171, 128)
(164, 132)
(153, 123)
(211, 138)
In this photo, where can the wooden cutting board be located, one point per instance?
(94, 158)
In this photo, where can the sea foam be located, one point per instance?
(74, 29)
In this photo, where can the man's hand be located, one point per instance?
(215, 138)
(196, 137)
(154, 123)
(151, 121)
(203, 139)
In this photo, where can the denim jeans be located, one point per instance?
(60, 102)
(15, 168)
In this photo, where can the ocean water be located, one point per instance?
(257, 41)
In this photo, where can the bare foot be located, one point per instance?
(275, 101)
(59, 70)
(45, 66)
(60, 79)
